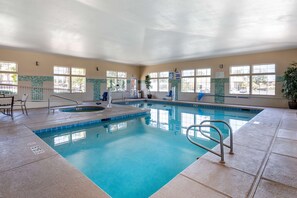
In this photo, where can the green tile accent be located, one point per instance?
(37, 85)
(36, 78)
(220, 89)
(279, 79)
(96, 87)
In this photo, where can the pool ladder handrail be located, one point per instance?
(220, 141)
(221, 154)
(213, 139)
(56, 96)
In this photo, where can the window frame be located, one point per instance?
(154, 78)
(263, 74)
(195, 76)
(117, 78)
(70, 75)
(183, 76)
(13, 73)
(203, 76)
(250, 76)
(163, 78)
(158, 78)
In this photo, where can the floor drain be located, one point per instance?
(37, 150)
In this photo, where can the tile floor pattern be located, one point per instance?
(264, 163)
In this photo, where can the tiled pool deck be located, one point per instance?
(264, 163)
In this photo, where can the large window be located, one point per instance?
(154, 81)
(203, 80)
(69, 80)
(188, 81)
(116, 80)
(196, 80)
(261, 80)
(240, 79)
(8, 78)
(159, 81)
(163, 82)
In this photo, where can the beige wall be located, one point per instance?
(26, 64)
(281, 58)
(26, 61)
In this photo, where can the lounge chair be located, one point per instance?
(6, 105)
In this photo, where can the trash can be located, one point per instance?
(139, 93)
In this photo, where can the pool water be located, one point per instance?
(136, 157)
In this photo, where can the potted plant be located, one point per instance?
(148, 86)
(290, 85)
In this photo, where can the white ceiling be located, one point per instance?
(146, 32)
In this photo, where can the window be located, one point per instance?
(116, 81)
(203, 80)
(261, 81)
(240, 80)
(163, 81)
(8, 78)
(67, 79)
(159, 81)
(196, 83)
(188, 81)
(154, 81)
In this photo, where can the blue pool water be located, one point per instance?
(136, 157)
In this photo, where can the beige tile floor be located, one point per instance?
(264, 163)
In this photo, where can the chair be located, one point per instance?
(104, 96)
(22, 103)
(6, 105)
(200, 96)
(168, 96)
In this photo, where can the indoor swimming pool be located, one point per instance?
(136, 157)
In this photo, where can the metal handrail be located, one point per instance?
(213, 139)
(208, 149)
(56, 96)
